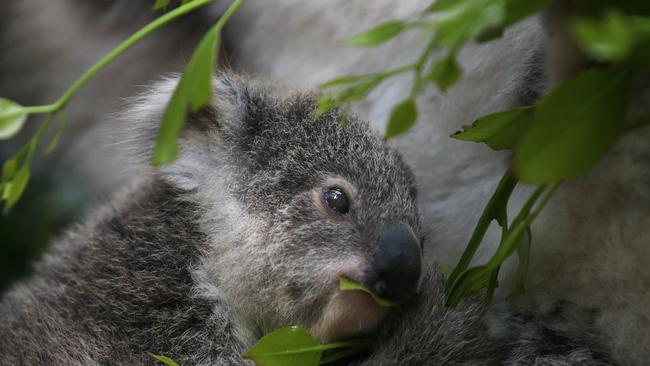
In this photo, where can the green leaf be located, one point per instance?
(443, 5)
(193, 92)
(348, 79)
(166, 360)
(15, 188)
(474, 278)
(9, 169)
(402, 118)
(574, 127)
(286, 347)
(501, 130)
(517, 10)
(161, 4)
(377, 35)
(12, 118)
(468, 19)
(347, 284)
(351, 94)
(445, 72)
(612, 39)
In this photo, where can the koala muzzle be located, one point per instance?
(395, 269)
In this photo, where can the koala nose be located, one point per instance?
(395, 269)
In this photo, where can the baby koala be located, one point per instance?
(250, 230)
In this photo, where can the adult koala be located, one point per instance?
(250, 230)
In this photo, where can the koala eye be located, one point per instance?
(337, 200)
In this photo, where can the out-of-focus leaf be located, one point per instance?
(348, 79)
(501, 130)
(575, 125)
(443, 5)
(9, 168)
(15, 188)
(350, 285)
(160, 4)
(612, 38)
(292, 346)
(12, 118)
(377, 35)
(164, 359)
(402, 119)
(350, 94)
(445, 72)
(517, 10)
(192, 93)
(468, 19)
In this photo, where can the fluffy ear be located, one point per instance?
(207, 137)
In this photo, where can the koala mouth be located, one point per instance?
(347, 314)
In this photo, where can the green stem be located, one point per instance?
(120, 49)
(166, 18)
(419, 66)
(501, 194)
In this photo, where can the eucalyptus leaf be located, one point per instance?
(12, 118)
(468, 19)
(402, 118)
(443, 5)
(15, 188)
(9, 169)
(192, 92)
(517, 10)
(445, 72)
(161, 4)
(575, 125)
(377, 35)
(348, 79)
(501, 130)
(292, 346)
(347, 284)
(164, 359)
(613, 38)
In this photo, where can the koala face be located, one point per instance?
(291, 203)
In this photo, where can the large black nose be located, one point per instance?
(395, 269)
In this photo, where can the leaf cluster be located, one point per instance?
(561, 137)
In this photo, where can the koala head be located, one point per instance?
(290, 204)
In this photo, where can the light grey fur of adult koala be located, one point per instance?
(239, 236)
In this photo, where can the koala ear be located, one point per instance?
(206, 137)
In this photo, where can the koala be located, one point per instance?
(248, 231)
(590, 245)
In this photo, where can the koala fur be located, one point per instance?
(591, 241)
(201, 258)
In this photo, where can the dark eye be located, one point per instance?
(336, 199)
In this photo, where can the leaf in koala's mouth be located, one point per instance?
(294, 346)
(164, 359)
(347, 284)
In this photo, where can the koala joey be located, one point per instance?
(250, 230)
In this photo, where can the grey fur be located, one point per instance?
(201, 258)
